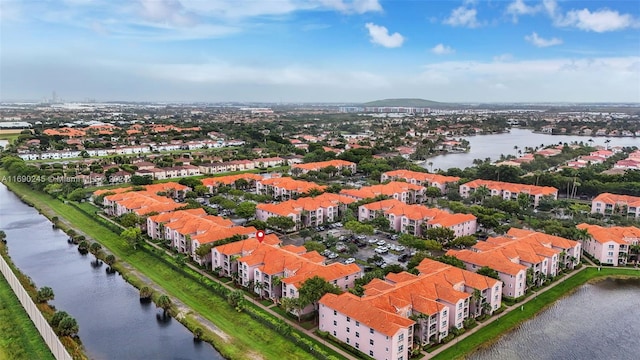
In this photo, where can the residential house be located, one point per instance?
(607, 204)
(286, 188)
(317, 166)
(307, 211)
(419, 178)
(402, 191)
(508, 191)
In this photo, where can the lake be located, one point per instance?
(492, 146)
(113, 323)
(598, 321)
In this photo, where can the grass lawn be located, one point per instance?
(251, 337)
(493, 331)
(19, 338)
(10, 137)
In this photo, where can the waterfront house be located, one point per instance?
(610, 245)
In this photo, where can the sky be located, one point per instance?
(340, 51)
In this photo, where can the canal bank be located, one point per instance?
(252, 340)
(491, 331)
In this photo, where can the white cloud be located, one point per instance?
(463, 16)
(380, 35)
(168, 11)
(518, 7)
(536, 40)
(598, 21)
(442, 49)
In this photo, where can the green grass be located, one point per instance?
(250, 337)
(19, 338)
(10, 137)
(490, 333)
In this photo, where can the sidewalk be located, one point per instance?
(507, 310)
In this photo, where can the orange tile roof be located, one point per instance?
(246, 246)
(608, 198)
(420, 176)
(143, 202)
(619, 234)
(419, 212)
(222, 233)
(299, 205)
(512, 187)
(115, 191)
(496, 260)
(359, 309)
(369, 192)
(290, 184)
(315, 166)
(65, 131)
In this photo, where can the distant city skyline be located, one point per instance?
(333, 51)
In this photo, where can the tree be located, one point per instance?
(432, 192)
(381, 223)
(359, 228)
(283, 223)
(419, 244)
(68, 327)
(313, 289)
(481, 193)
(464, 241)
(3, 236)
(129, 219)
(95, 250)
(132, 236)
(440, 234)
(110, 260)
(246, 210)
(164, 302)
(45, 294)
(138, 180)
(452, 260)
(145, 293)
(236, 299)
(83, 247)
(314, 246)
(57, 318)
(292, 305)
(487, 271)
(258, 224)
(77, 195)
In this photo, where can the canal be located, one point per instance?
(598, 321)
(113, 323)
(492, 146)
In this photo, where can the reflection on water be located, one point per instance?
(598, 321)
(113, 322)
(492, 146)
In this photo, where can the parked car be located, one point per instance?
(332, 255)
(381, 243)
(372, 241)
(350, 261)
(381, 250)
(403, 258)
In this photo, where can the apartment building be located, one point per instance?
(420, 178)
(307, 211)
(286, 188)
(230, 180)
(402, 191)
(139, 202)
(508, 191)
(519, 250)
(403, 307)
(608, 204)
(318, 166)
(410, 219)
(610, 245)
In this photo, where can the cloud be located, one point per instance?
(598, 21)
(380, 35)
(463, 16)
(355, 6)
(167, 11)
(518, 7)
(541, 42)
(442, 49)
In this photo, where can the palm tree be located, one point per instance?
(110, 260)
(164, 302)
(477, 298)
(145, 293)
(95, 249)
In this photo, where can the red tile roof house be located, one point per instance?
(409, 219)
(610, 245)
(607, 204)
(258, 264)
(519, 250)
(317, 166)
(307, 211)
(286, 188)
(419, 178)
(509, 191)
(402, 191)
(230, 180)
(384, 322)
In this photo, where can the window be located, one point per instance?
(444, 323)
(610, 253)
(357, 334)
(334, 333)
(460, 305)
(347, 340)
(400, 337)
(348, 319)
(400, 348)
(357, 323)
(335, 323)
(444, 313)
(348, 329)
(611, 246)
(510, 285)
(357, 346)
(370, 341)
(370, 352)
(371, 331)
(335, 312)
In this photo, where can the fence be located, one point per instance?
(50, 337)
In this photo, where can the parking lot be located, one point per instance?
(384, 245)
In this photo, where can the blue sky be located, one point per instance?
(321, 50)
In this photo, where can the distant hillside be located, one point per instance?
(406, 103)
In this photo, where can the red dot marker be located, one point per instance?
(260, 236)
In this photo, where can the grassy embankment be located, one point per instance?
(19, 338)
(248, 338)
(492, 332)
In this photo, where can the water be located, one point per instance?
(113, 323)
(492, 146)
(598, 321)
